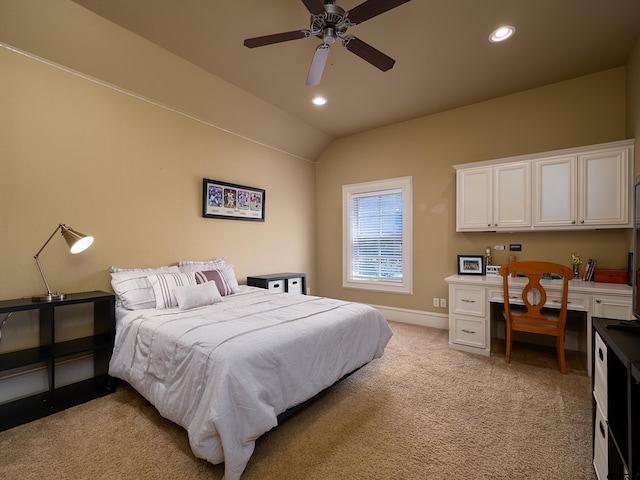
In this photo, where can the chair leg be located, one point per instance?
(561, 360)
(507, 353)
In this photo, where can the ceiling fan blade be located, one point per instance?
(315, 7)
(365, 51)
(317, 65)
(371, 8)
(275, 38)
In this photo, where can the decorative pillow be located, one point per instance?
(192, 266)
(133, 288)
(164, 284)
(230, 275)
(216, 277)
(192, 296)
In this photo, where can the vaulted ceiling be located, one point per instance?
(443, 57)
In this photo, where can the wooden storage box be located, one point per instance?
(610, 276)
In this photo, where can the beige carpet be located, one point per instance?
(420, 412)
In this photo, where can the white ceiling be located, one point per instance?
(443, 57)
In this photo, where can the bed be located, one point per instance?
(225, 368)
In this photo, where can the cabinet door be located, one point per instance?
(616, 308)
(474, 199)
(555, 192)
(604, 191)
(512, 195)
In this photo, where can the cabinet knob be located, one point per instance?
(598, 300)
(573, 222)
(581, 221)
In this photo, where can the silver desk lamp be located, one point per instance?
(78, 242)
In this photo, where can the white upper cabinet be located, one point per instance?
(494, 197)
(587, 187)
(475, 199)
(512, 196)
(604, 188)
(555, 191)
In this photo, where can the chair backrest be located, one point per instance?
(535, 271)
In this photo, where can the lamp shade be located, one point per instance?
(78, 242)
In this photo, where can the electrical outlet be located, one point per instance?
(443, 302)
(436, 302)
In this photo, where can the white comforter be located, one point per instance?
(225, 371)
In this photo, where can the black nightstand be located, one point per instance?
(280, 282)
(49, 352)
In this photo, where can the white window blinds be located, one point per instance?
(376, 235)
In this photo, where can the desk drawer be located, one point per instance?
(468, 331)
(574, 301)
(467, 300)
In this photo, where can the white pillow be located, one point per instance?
(193, 296)
(230, 274)
(133, 288)
(187, 266)
(164, 284)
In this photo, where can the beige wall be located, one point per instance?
(130, 172)
(633, 100)
(582, 111)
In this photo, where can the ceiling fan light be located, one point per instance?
(502, 33)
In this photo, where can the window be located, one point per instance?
(377, 235)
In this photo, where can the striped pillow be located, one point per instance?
(164, 284)
(215, 276)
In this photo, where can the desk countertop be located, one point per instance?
(575, 286)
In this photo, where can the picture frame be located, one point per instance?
(471, 265)
(232, 201)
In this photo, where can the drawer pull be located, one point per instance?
(468, 301)
(601, 355)
(602, 429)
(468, 331)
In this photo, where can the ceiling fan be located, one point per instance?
(330, 22)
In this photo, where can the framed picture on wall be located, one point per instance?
(232, 201)
(470, 265)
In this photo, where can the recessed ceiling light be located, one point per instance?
(502, 33)
(319, 100)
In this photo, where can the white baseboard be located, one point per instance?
(415, 317)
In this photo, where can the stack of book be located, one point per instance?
(589, 271)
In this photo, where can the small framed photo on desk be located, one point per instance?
(470, 265)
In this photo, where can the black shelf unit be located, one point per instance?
(100, 344)
(623, 398)
(263, 281)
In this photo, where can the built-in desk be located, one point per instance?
(471, 296)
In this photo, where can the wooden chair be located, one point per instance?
(531, 318)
